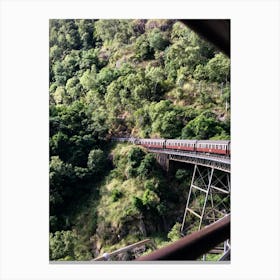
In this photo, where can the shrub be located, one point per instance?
(138, 203)
(147, 165)
(116, 195)
(174, 233)
(181, 174)
(135, 156)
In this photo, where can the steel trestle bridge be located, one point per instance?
(208, 198)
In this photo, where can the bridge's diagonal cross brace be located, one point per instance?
(219, 180)
(204, 205)
(207, 184)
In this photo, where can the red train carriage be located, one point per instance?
(185, 145)
(221, 147)
(213, 146)
(152, 143)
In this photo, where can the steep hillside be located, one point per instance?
(146, 78)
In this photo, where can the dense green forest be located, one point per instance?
(146, 78)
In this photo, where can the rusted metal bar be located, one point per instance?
(194, 245)
(124, 249)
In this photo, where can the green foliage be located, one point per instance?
(65, 245)
(157, 39)
(147, 165)
(135, 156)
(218, 68)
(174, 233)
(150, 199)
(116, 195)
(113, 30)
(167, 119)
(143, 49)
(150, 185)
(62, 177)
(62, 245)
(138, 203)
(96, 161)
(181, 174)
(204, 126)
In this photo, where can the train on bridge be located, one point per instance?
(218, 147)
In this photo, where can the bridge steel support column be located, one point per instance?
(188, 200)
(163, 160)
(208, 198)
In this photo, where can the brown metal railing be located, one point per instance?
(124, 249)
(194, 245)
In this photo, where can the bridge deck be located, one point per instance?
(218, 162)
